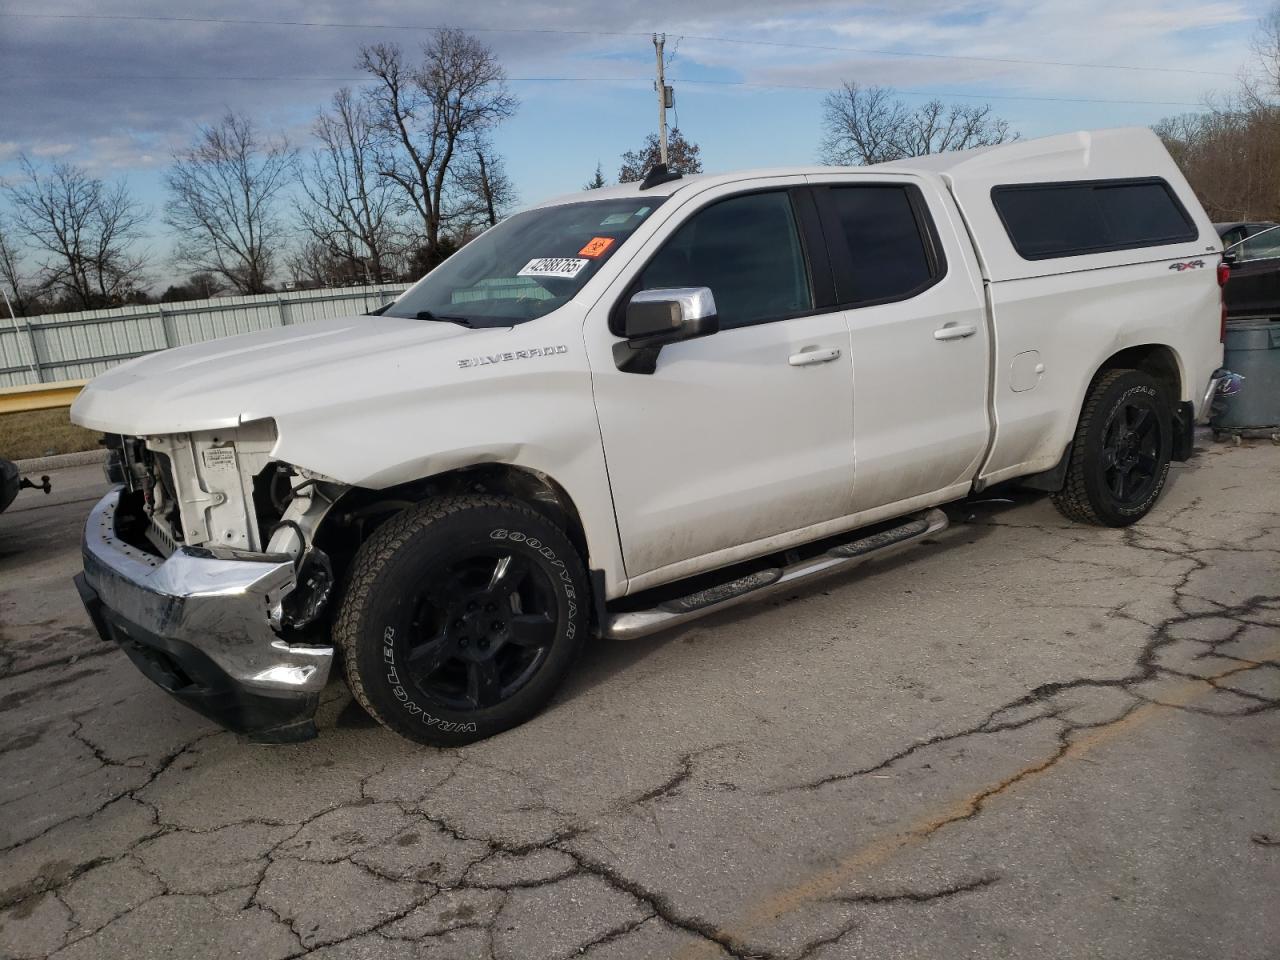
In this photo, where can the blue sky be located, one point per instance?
(120, 95)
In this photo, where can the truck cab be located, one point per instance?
(624, 408)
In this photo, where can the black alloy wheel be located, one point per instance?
(1118, 461)
(484, 623)
(461, 617)
(1131, 449)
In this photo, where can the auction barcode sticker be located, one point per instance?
(553, 267)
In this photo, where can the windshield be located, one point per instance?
(526, 266)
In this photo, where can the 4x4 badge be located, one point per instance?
(1188, 265)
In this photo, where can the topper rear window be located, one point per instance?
(1046, 220)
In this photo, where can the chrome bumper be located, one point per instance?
(202, 614)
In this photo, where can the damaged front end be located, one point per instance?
(202, 565)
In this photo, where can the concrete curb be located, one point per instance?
(60, 460)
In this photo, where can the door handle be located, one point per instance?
(955, 331)
(812, 355)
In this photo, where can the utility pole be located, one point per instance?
(663, 94)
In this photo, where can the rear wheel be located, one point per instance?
(1119, 459)
(461, 618)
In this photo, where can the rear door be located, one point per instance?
(907, 278)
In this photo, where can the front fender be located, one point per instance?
(534, 410)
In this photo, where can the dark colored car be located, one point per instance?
(11, 481)
(1254, 289)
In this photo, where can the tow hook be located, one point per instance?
(44, 484)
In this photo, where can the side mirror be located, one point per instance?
(655, 318)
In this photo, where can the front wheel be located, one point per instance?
(1119, 459)
(461, 618)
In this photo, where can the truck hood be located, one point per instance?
(222, 383)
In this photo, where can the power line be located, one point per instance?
(953, 56)
(239, 21)
(948, 93)
(334, 24)
(167, 78)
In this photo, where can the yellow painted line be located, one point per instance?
(39, 396)
(764, 913)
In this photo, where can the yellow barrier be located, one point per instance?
(39, 396)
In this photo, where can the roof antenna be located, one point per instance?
(657, 174)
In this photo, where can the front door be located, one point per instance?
(744, 435)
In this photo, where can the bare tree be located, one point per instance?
(873, 125)
(432, 113)
(345, 205)
(11, 275)
(223, 192)
(1231, 157)
(1266, 46)
(683, 156)
(860, 125)
(1230, 154)
(313, 263)
(85, 227)
(485, 192)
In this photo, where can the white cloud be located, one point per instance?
(135, 123)
(51, 151)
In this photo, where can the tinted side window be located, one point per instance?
(890, 254)
(1264, 247)
(747, 250)
(1050, 221)
(1233, 236)
(1143, 213)
(1091, 216)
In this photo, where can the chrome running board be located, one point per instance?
(670, 613)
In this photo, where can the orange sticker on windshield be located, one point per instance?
(596, 247)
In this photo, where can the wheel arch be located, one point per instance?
(1164, 364)
(362, 510)
(533, 487)
(1158, 360)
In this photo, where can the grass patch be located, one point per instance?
(43, 433)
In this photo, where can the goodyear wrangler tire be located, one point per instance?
(461, 618)
(1119, 459)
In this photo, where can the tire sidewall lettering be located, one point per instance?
(563, 574)
(400, 693)
(1150, 393)
(560, 573)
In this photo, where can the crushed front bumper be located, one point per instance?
(197, 625)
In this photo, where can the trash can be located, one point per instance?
(1253, 351)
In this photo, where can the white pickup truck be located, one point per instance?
(629, 407)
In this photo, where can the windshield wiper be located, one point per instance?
(428, 315)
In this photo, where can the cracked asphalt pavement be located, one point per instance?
(1023, 738)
